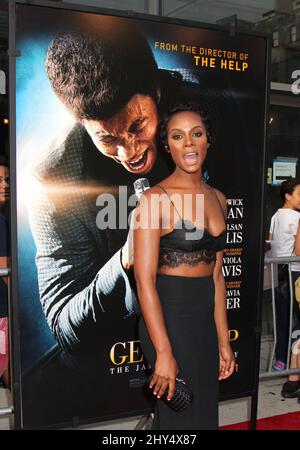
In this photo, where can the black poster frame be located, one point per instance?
(13, 54)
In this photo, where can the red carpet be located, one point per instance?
(289, 421)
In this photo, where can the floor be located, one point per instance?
(232, 411)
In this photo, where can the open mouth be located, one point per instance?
(190, 157)
(139, 162)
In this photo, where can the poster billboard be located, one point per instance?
(87, 85)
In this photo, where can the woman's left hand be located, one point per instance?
(227, 361)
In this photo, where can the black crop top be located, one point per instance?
(175, 249)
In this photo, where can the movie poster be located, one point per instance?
(90, 90)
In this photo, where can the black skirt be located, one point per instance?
(188, 307)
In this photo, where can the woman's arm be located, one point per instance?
(227, 361)
(272, 226)
(297, 241)
(80, 281)
(146, 238)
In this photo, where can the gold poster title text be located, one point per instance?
(210, 58)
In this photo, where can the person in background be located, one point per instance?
(291, 388)
(285, 237)
(4, 263)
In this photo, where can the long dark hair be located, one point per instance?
(182, 107)
(3, 161)
(287, 187)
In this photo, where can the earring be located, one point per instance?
(167, 148)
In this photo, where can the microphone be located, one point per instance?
(140, 185)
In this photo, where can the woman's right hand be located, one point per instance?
(165, 373)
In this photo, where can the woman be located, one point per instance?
(285, 237)
(180, 285)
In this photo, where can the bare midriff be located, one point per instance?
(184, 270)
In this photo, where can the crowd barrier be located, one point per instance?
(271, 282)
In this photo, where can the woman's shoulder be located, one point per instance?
(288, 213)
(214, 190)
(220, 196)
(166, 186)
(295, 213)
(153, 190)
(148, 199)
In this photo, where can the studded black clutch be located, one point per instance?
(182, 397)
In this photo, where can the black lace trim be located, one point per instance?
(174, 258)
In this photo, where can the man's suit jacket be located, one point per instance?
(79, 269)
